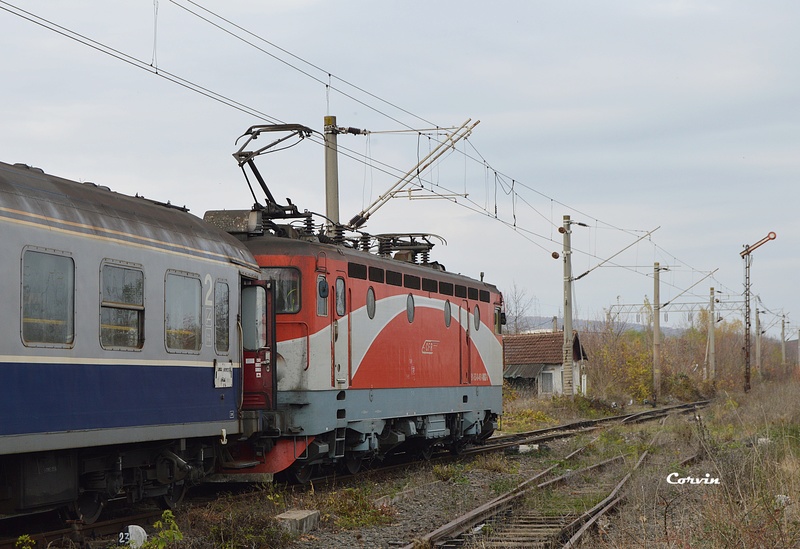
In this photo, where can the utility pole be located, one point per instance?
(712, 326)
(759, 372)
(656, 332)
(748, 249)
(567, 355)
(783, 343)
(331, 172)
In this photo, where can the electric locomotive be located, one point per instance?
(378, 349)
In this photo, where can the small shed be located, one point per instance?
(534, 362)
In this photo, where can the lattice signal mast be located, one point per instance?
(748, 249)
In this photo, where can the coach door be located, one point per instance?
(340, 334)
(258, 342)
(466, 348)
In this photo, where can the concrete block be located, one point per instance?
(298, 521)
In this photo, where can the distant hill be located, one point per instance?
(545, 324)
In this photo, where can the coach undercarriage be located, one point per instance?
(84, 482)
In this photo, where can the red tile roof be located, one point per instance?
(544, 348)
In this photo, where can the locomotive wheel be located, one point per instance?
(174, 495)
(300, 473)
(352, 463)
(87, 507)
(457, 448)
(427, 452)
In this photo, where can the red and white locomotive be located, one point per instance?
(372, 353)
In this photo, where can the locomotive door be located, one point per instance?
(340, 335)
(465, 351)
(258, 345)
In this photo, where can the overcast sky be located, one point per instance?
(627, 116)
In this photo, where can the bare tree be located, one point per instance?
(518, 304)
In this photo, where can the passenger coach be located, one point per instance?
(120, 350)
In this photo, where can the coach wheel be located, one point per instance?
(352, 463)
(300, 473)
(88, 507)
(174, 495)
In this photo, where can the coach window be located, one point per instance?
(448, 313)
(182, 320)
(222, 317)
(371, 303)
(341, 298)
(287, 288)
(48, 298)
(477, 316)
(322, 296)
(122, 307)
(410, 307)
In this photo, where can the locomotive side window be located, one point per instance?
(393, 278)
(122, 307)
(412, 282)
(376, 274)
(448, 313)
(341, 298)
(445, 288)
(322, 296)
(48, 298)
(477, 317)
(371, 303)
(410, 307)
(182, 320)
(430, 285)
(287, 288)
(222, 317)
(357, 270)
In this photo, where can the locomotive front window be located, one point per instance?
(182, 320)
(48, 298)
(287, 288)
(122, 308)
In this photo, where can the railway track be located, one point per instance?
(78, 533)
(536, 436)
(547, 509)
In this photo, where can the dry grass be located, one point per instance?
(752, 444)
